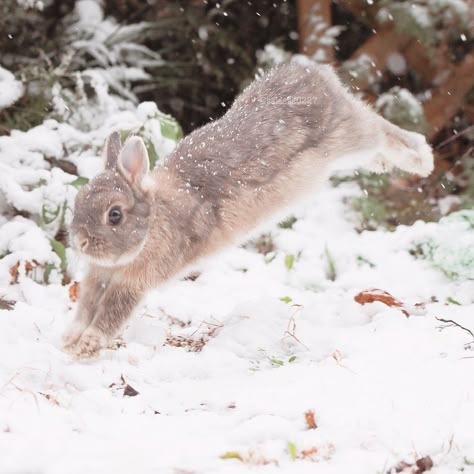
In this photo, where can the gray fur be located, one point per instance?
(280, 139)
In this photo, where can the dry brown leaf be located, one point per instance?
(307, 453)
(193, 276)
(129, 391)
(337, 356)
(74, 291)
(375, 294)
(14, 270)
(6, 304)
(66, 279)
(310, 420)
(424, 464)
(190, 344)
(421, 465)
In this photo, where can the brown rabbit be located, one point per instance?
(280, 139)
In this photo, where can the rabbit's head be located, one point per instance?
(112, 212)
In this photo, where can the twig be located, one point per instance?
(291, 327)
(455, 137)
(450, 321)
(211, 327)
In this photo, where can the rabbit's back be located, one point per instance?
(275, 118)
(281, 138)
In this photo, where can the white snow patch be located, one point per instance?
(10, 89)
(384, 387)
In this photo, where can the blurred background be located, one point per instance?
(81, 62)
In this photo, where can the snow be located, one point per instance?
(453, 256)
(389, 99)
(37, 4)
(383, 387)
(396, 64)
(10, 89)
(89, 13)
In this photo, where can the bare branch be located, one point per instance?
(454, 323)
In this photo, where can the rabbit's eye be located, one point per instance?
(115, 215)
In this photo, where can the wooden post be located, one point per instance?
(306, 8)
(449, 96)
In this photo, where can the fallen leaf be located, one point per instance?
(310, 420)
(129, 391)
(306, 453)
(292, 450)
(14, 270)
(7, 304)
(337, 356)
(424, 464)
(190, 344)
(74, 291)
(231, 455)
(374, 294)
(193, 276)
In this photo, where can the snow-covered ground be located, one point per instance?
(384, 387)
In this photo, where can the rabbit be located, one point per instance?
(281, 138)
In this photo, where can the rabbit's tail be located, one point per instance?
(401, 149)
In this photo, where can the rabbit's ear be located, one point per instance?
(112, 150)
(133, 160)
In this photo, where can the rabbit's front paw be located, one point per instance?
(88, 345)
(72, 334)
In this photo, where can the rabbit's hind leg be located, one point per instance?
(406, 150)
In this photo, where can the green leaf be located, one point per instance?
(48, 216)
(453, 301)
(286, 299)
(361, 259)
(276, 361)
(287, 223)
(170, 128)
(331, 269)
(60, 251)
(292, 450)
(47, 272)
(79, 181)
(231, 455)
(292, 359)
(289, 261)
(152, 154)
